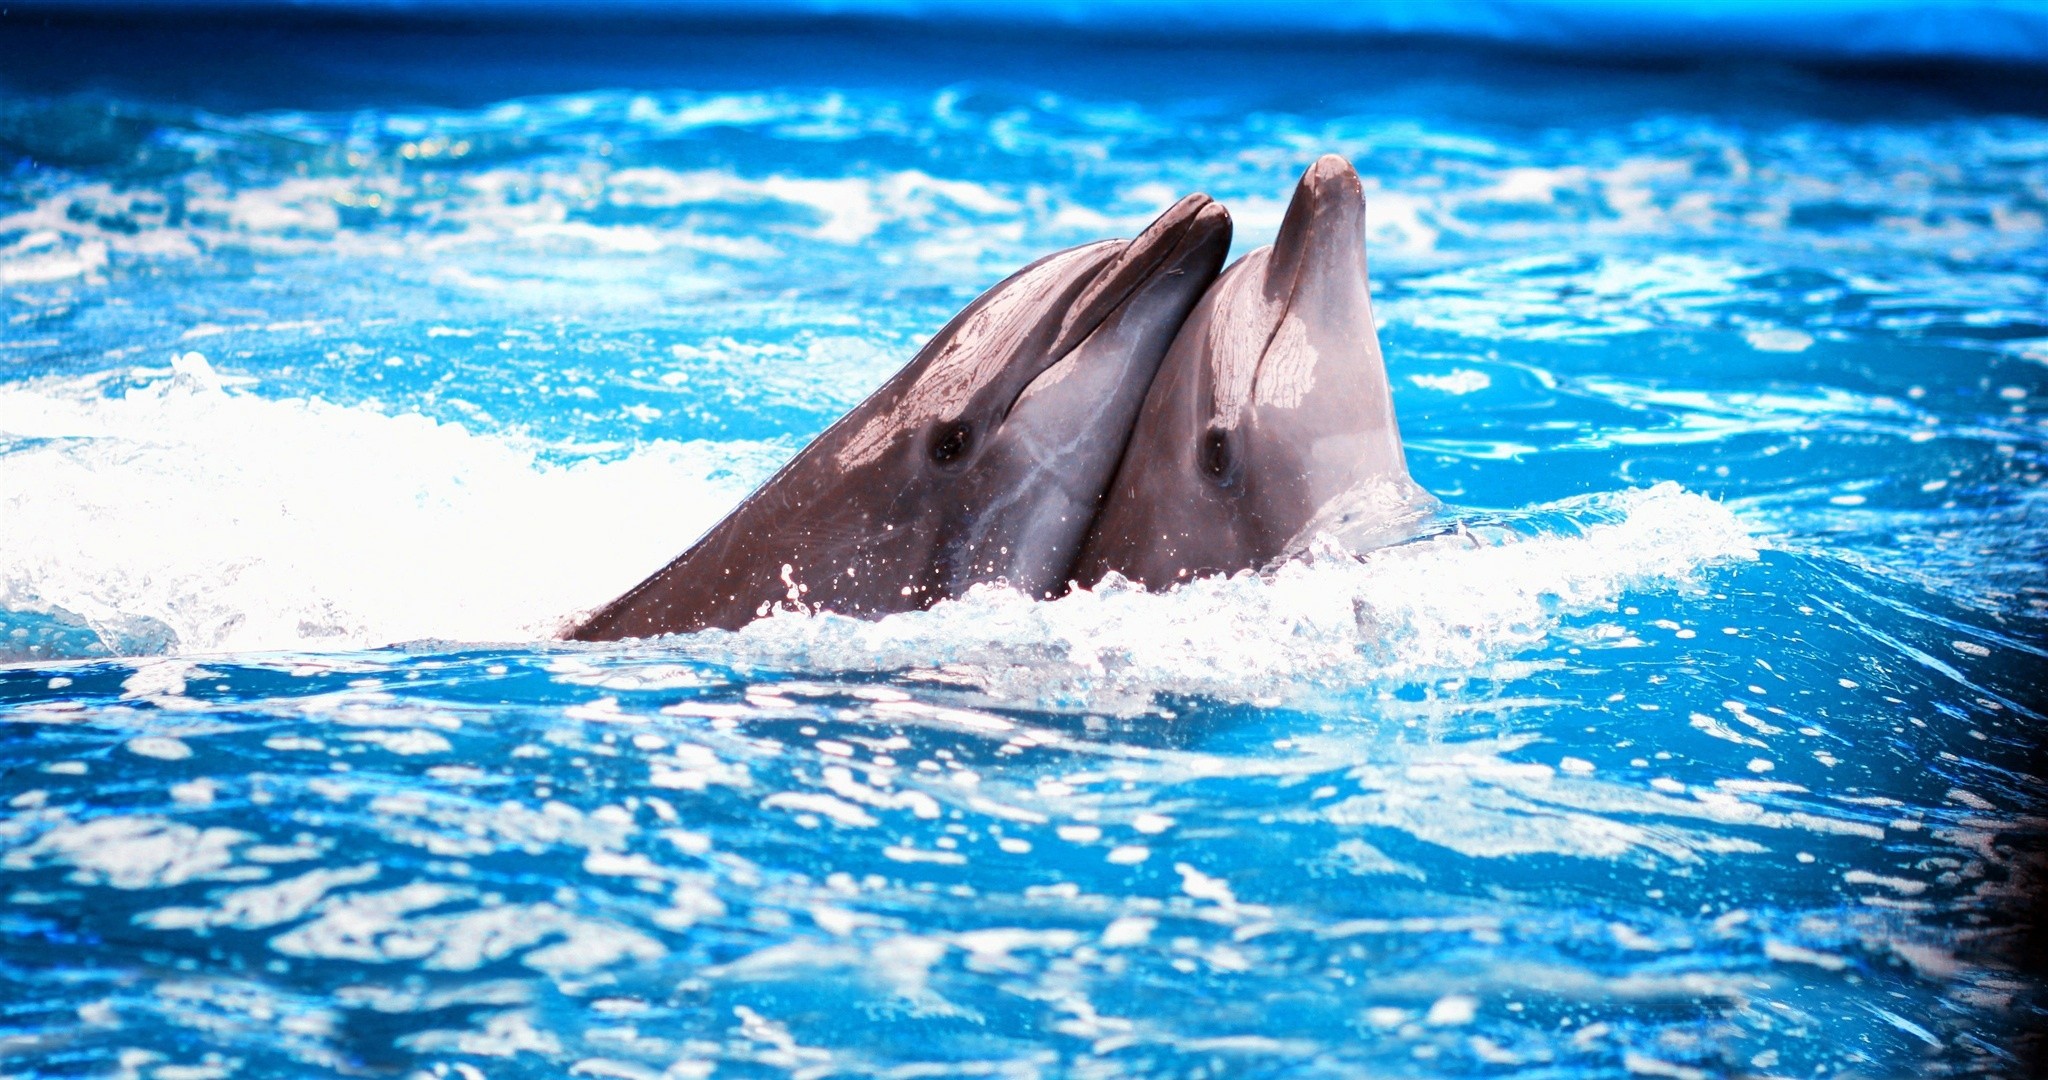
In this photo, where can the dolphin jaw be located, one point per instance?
(1134, 267)
(1329, 200)
(1161, 251)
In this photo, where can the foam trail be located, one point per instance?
(1330, 619)
(182, 514)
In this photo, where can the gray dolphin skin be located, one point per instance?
(983, 460)
(1270, 419)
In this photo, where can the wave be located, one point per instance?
(1330, 619)
(171, 510)
(179, 511)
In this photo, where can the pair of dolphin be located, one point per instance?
(1113, 408)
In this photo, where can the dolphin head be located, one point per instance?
(1070, 310)
(1270, 417)
(984, 459)
(1000, 437)
(1030, 490)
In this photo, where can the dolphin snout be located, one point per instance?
(1202, 243)
(1191, 229)
(1324, 229)
(1332, 177)
(1210, 226)
(1191, 212)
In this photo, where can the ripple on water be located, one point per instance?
(1699, 742)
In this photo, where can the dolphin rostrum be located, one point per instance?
(983, 460)
(1270, 419)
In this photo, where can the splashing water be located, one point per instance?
(1698, 743)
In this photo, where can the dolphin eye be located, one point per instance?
(1215, 454)
(951, 442)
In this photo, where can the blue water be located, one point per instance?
(333, 380)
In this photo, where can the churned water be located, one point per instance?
(1703, 750)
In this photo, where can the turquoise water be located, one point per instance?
(326, 395)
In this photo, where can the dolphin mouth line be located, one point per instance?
(1171, 241)
(1135, 277)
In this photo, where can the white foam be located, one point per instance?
(1328, 620)
(259, 906)
(181, 514)
(383, 927)
(131, 852)
(1455, 381)
(178, 513)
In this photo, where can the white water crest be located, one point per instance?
(1328, 619)
(172, 511)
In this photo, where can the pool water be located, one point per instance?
(335, 378)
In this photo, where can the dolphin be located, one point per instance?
(1270, 420)
(983, 460)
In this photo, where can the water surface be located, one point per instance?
(327, 394)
